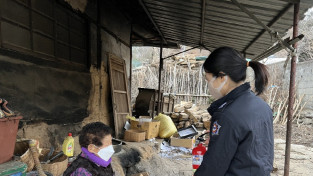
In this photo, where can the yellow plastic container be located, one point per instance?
(68, 145)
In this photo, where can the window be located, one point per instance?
(43, 28)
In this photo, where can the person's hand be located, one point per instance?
(207, 138)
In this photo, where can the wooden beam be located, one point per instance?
(152, 20)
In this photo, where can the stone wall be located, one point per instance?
(304, 81)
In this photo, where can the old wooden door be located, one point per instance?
(120, 93)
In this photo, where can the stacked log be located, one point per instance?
(186, 114)
(187, 61)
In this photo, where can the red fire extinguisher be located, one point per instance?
(197, 153)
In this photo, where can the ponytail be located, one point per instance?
(233, 64)
(261, 76)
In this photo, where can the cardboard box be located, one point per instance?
(151, 128)
(187, 143)
(134, 135)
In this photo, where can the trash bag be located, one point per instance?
(167, 127)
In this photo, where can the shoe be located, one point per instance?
(5, 109)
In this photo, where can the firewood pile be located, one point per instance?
(186, 114)
(182, 76)
(187, 61)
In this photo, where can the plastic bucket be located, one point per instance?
(8, 131)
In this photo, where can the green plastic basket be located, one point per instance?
(13, 168)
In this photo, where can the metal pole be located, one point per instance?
(203, 46)
(131, 60)
(291, 91)
(160, 78)
(277, 47)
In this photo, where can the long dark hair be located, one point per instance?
(233, 64)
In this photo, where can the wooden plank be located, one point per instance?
(125, 113)
(120, 93)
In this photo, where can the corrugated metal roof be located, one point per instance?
(224, 24)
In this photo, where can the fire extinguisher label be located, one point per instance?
(197, 159)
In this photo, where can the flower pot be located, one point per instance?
(8, 131)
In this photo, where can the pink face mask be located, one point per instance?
(216, 92)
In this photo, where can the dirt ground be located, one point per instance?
(301, 162)
(302, 135)
(301, 157)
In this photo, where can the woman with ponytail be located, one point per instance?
(241, 134)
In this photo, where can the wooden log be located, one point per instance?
(179, 109)
(206, 114)
(193, 109)
(207, 124)
(192, 117)
(175, 115)
(200, 112)
(187, 105)
(297, 106)
(183, 117)
(199, 125)
(176, 120)
(204, 119)
(198, 117)
(181, 123)
(187, 124)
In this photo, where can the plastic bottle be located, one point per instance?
(68, 145)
